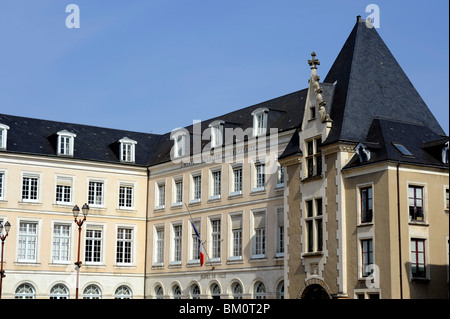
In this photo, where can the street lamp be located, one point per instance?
(76, 212)
(7, 227)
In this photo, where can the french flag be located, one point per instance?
(202, 257)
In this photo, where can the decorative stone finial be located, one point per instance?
(314, 62)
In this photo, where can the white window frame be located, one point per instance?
(196, 189)
(234, 168)
(95, 202)
(255, 168)
(66, 141)
(179, 143)
(260, 116)
(131, 241)
(127, 186)
(259, 235)
(61, 238)
(2, 184)
(102, 229)
(280, 239)
(158, 251)
(3, 136)
(233, 240)
(158, 195)
(127, 150)
(280, 176)
(194, 240)
(216, 128)
(176, 243)
(176, 192)
(215, 239)
(65, 182)
(215, 189)
(30, 175)
(28, 240)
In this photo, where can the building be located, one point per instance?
(367, 188)
(338, 190)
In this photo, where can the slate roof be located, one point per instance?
(370, 83)
(424, 144)
(38, 137)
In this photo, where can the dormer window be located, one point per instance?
(445, 154)
(363, 152)
(3, 136)
(260, 121)
(127, 150)
(216, 133)
(65, 143)
(179, 143)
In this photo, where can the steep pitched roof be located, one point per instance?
(38, 137)
(370, 83)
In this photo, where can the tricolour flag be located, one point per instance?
(202, 257)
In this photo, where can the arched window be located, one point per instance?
(236, 290)
(59, 291)
(25, 291)
(92, 292)
(123, 292)
(159, 292)
(260, 290)
(195, 291)
(280, 290)
(176, 292)
(215, 291)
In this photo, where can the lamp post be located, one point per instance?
(7, 227)
(76, 212)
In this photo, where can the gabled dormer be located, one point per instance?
(3, 136)
(363, 152)
(65, 143)
(260, 117)
(216, 128)
(180, 139)
(127, 150)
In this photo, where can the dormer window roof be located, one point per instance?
(363, 152)
(216, 133)
(179, 142)
(260, 121)
(127, 150)
(3, 136)
(65, 143)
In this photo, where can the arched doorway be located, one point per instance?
(315, 292)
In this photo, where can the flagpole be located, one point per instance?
(201, 242)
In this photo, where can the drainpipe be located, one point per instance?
(146, 233)
(399, 231)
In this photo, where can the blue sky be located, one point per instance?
(154, 65)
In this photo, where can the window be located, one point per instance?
(25, 291)
(446, 198)
(280, 290)
(27, 251)
(176, 292)
(314, 225)
(259, 239)
(63, 190)
(236, 290)
(215, 291)
(418, 266)
(65, 143)
(159, 249)
(237, 181)
(126, 196)
(124, 250)
(260, 121)
(95, 193)
(260, 290)
(177, 243)
(178, 192)
(314, 157)
(159, 292)
(216, 238)
(123, 292)
(216, 184)
(3, 136)
(195, 291)
(61, 243)
(93, 249)
(366, 204)
(160, 195)
(402, 149)
(280, 232)
(367, 256)
(30, 188)
(92, 292)
(196, 242)
(260, 177)
(196, 188)
(127, 150)
(59, 291)
(280, 176)
(236, 237)
(2, 185)
(415, 198)
(179, 149)
(312, 112)
(216, 133)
